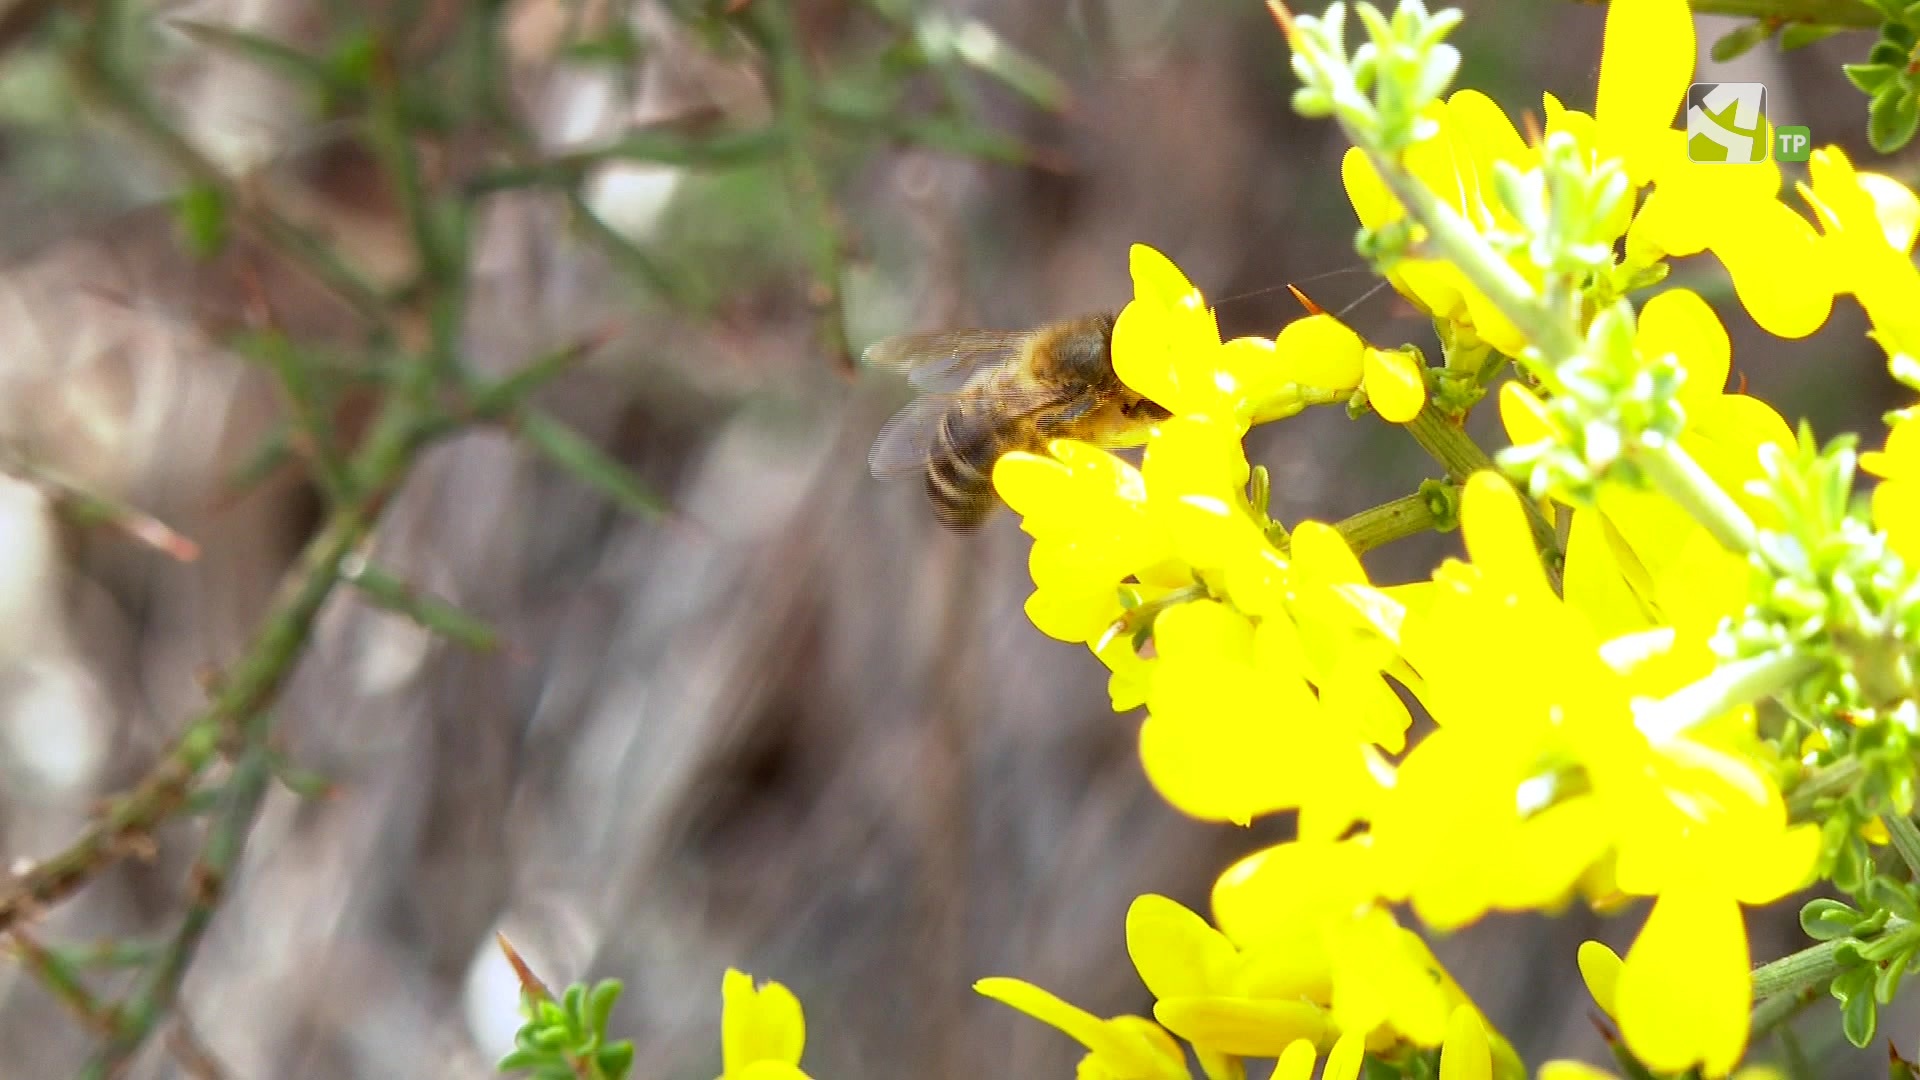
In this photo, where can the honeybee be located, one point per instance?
(989, 392)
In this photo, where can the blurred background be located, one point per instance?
(791, 725)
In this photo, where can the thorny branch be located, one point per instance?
(426, 393)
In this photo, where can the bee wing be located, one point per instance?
(907, 440)
(902, 446)
(946, 361)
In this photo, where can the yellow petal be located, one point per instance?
(1241, 1026)
(1030, 483)
(1646, 62)
(1685, 991)
(1495, 527)
(763, 1024)
(1679, 323)
(1466, 1055)
(769, 1070)
(1320, 351)
(1346, 1058)
(1296, 1061)
(1082, 1026)
(1896, 207)
(1372, 202)
(1157, 280)
(1215, 1065)
(1600, 967)
(1395, 385)
(1573, 1070)
(1779, 271)
(1524, 415)
(1176, 953)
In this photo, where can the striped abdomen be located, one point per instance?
(972, 435)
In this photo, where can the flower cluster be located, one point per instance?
(1596, 734)
(1654, 558)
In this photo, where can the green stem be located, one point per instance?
(1832, 780)
(1779, 1009)
(1906, 839)
(1405, 516)
(1732, 684)
(1681, 479)
(1463, 246)
(1447, 443)
(1807, 969)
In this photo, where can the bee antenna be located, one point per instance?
(1361, 299)
(1291, 286)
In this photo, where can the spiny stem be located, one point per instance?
(159, 985)
(97, 68)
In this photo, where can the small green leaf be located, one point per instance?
(1825, 919)
(1870, 78)
(1888, 53)
(201, 211)
(560, 445)
(614, 1060)
(1892, 117)
(1895, 897)
(524, 1059)
(574, 1003)
(1886, 981)
(1899, 33)
(1857, 1019)
(600, 1005)
(431, 612)
(269, 55)
(1801, 35)
(1736, 42)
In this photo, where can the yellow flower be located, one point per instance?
(762, 1031)
(1868, 224)
(1306, 909)
(1274, 698)
(1637, 559)
(1240, 1003)
(1167, 347)
(1646, 64)
(1576, 1070)
(1457, 165)
(1120, 1048)
(1539, 775)
(1896, 499)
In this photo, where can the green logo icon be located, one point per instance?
(1727, 122)
(1792, 143)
